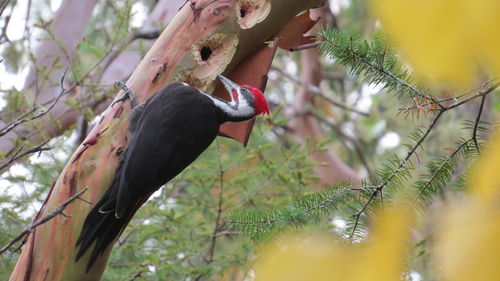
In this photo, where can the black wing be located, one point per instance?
(169, 137)
(170, 131)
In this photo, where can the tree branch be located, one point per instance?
(476, 124)
(379, 188)
(17, 155)
(317, 92)
(306, 46)
(22, 120)
(58, 211)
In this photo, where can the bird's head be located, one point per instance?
(245, 100)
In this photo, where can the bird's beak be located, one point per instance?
(229, 85)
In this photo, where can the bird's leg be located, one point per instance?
(128, 94)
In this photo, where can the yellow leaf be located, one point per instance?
(468, 236)
(320, 258)
(468, 242)
(444, 40)
(485, 180)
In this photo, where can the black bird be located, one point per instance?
(167, 133)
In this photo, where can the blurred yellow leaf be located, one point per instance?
(466, 241)
(468, 236)
(485, 180)
(444, 40)
(467, 245)
(320, 258)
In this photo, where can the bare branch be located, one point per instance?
(3, 6)
(219, 211)
(317, 92)
(58, 211)
(18, 155)
(306, 46)
(476, 124)
(486, 85)
(480, 93)
(353, 141)
(22, 120)
(137, 275)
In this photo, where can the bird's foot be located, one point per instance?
(128, 95)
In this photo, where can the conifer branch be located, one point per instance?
(440, 170)
(401, 166)
(376, 60)
(259, 225)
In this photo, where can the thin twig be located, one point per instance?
(358, 214)
(17, 155)
(137, 275)
(305, 46)
(486, 85)
(354, 142)
(401, 165)
(219, 213)
(58, 211)
(480, 93)
(476, 124)
(3, 6)
(226, 232)
(20, 121)
(317, 92)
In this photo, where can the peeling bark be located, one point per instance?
(50, 254)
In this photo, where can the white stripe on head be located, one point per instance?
(236, 109)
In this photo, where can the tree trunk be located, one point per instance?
(231, 30)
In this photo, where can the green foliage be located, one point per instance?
(312, 207)
(177, 230)
(376, 60)
(12, 56)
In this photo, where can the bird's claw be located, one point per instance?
(128, 94)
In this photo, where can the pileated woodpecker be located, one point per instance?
(167, 133)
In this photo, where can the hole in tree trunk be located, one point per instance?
(205, 53)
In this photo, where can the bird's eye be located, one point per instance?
(244, 89)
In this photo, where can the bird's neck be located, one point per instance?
(234, 111)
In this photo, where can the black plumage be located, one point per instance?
(168, 132)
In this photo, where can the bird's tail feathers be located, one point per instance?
(108, 206)
(101, 227)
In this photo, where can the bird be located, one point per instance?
(167, 133)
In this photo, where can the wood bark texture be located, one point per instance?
(232, 30)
